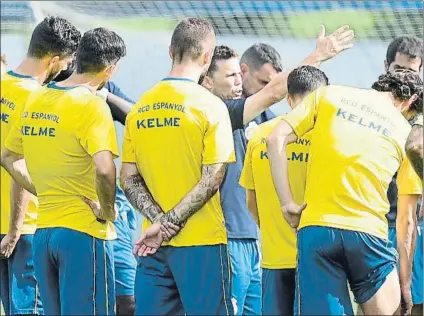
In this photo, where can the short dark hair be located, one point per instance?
(260, 54)
(98, 49)
(54, 36)
(188, 38)
(221, 52)
(305, 79)
(403, 84)
(406, 45)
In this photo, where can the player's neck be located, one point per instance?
(90, 81)
(36, 68)
(186, 70)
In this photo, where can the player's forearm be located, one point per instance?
(252, 205)
(138, 194)
(106, 191)
(15, 165)
(414, 149)
(20, 199)
(406, 230)
(279, 169)
(277, 143)
(212, 177)
(119, 107)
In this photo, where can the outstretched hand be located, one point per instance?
(335, 43)
(150, 241)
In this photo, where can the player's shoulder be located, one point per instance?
(206, 97)
(263, 130)
(19, 82)
(85, 100)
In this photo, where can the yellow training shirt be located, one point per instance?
(15, 89)
(175, 128)
(278, 239)
(59, 132)
(358, 145)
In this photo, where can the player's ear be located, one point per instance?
(207, 58)
(290, 101)
(244, 69)
(207, 83)
(170, 52)
(411, 100)
(110, 70)
(53, 61)
(386, 66)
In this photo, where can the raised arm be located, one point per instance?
(206, 188)
(414, 149)
(137, 192)
(327, 47)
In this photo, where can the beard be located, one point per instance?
(51, 76)
(101, 85)
(202, 77)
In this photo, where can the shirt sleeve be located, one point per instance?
(97, 132)
(246, 177)
(218, 142)
(236, 112)
(407, 179)
(302, 118)
(14, 139)
(128, 152)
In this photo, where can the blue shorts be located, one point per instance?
(74, 272)
(246, 272)
(278, 288)
(328, 258)
(18, 286)
(184, 280)
(125, 262)
(417, 268)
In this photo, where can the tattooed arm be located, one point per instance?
(212, 177)
(414, 149)
(138, 194)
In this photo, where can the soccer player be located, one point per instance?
(178, 142)
(258, 80)
(74, 182)
(278, 239)
(358, 145)
(52, 46)
(405, 52)
(126, 223)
